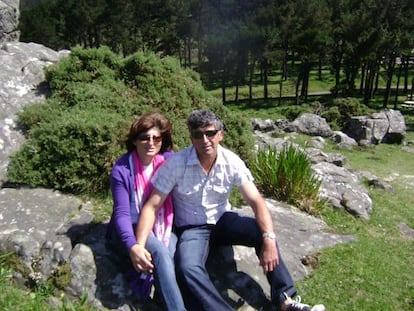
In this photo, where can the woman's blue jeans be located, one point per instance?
(193, 249)
(164, 272)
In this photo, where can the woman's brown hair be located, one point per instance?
(145, 123)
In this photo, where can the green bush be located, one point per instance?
(347, 107)
(74, 137)
(287, 176)
(292, 112)
(332, 116)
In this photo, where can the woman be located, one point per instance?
(148, 143)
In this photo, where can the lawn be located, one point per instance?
(375, 271)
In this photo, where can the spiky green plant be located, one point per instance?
(287, 176)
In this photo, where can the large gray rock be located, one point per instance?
(237, 271)
(9, 20)
(47, 229)
(387, 126)
(311, 124)
(21, 83)
(343, 189)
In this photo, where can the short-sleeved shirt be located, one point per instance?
(200, 198)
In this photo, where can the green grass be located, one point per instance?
(375, 272)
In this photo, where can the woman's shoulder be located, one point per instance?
(122, 163)
(123, 159)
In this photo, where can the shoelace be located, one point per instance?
(298, 305)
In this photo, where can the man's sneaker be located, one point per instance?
(296, 305)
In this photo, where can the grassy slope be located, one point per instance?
(375, 271)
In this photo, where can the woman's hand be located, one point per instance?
(141, 259)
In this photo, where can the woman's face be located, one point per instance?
(148, 144)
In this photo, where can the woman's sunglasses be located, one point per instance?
(146, 138)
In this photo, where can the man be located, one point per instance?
(200, 179)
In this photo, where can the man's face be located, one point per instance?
(206, 140)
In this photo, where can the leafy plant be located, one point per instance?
(287, 176)
(5, 272)
(75, 136)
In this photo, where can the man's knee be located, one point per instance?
(190, 270)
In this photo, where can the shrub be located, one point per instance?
(292, 112)
(332, 116)
(347, 108)
(74, 137)
(287, 176)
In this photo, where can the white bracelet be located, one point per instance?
(270, 235)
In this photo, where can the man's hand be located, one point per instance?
(141, 259)
(269, 257)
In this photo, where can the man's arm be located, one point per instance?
(140, 257)
(269, 257)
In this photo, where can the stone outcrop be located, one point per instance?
(311, 124)
(387, 126)
(341, 186)
(9, 19)
(47, 229)
(21, 83)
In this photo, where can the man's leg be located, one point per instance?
(198, 291)
(164, 272)
(233, 229)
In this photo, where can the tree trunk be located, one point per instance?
(251, 74)
(406, 69)
(305, 79)
(189, 53)
(236, 95)
(223, 88)
(284, 66)
(390, 72)
(265, 78)
(320, 68)
(398, 85)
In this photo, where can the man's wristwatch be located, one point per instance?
(270, 235)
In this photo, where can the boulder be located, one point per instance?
(21, 83)
(343, 141)
(311, 124)
(9, 20)
(387, 126)
(343, 189)
(47, 230)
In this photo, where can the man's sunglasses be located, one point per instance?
(146, 138)
(200, 134)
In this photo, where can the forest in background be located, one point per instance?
(244, 43)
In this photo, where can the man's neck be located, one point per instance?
(207, 163)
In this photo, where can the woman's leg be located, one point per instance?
(164, 273)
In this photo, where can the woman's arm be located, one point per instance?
(140, 257)
(121, 188)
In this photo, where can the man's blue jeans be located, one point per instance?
(192, 251)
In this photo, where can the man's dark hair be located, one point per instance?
(204, 118)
